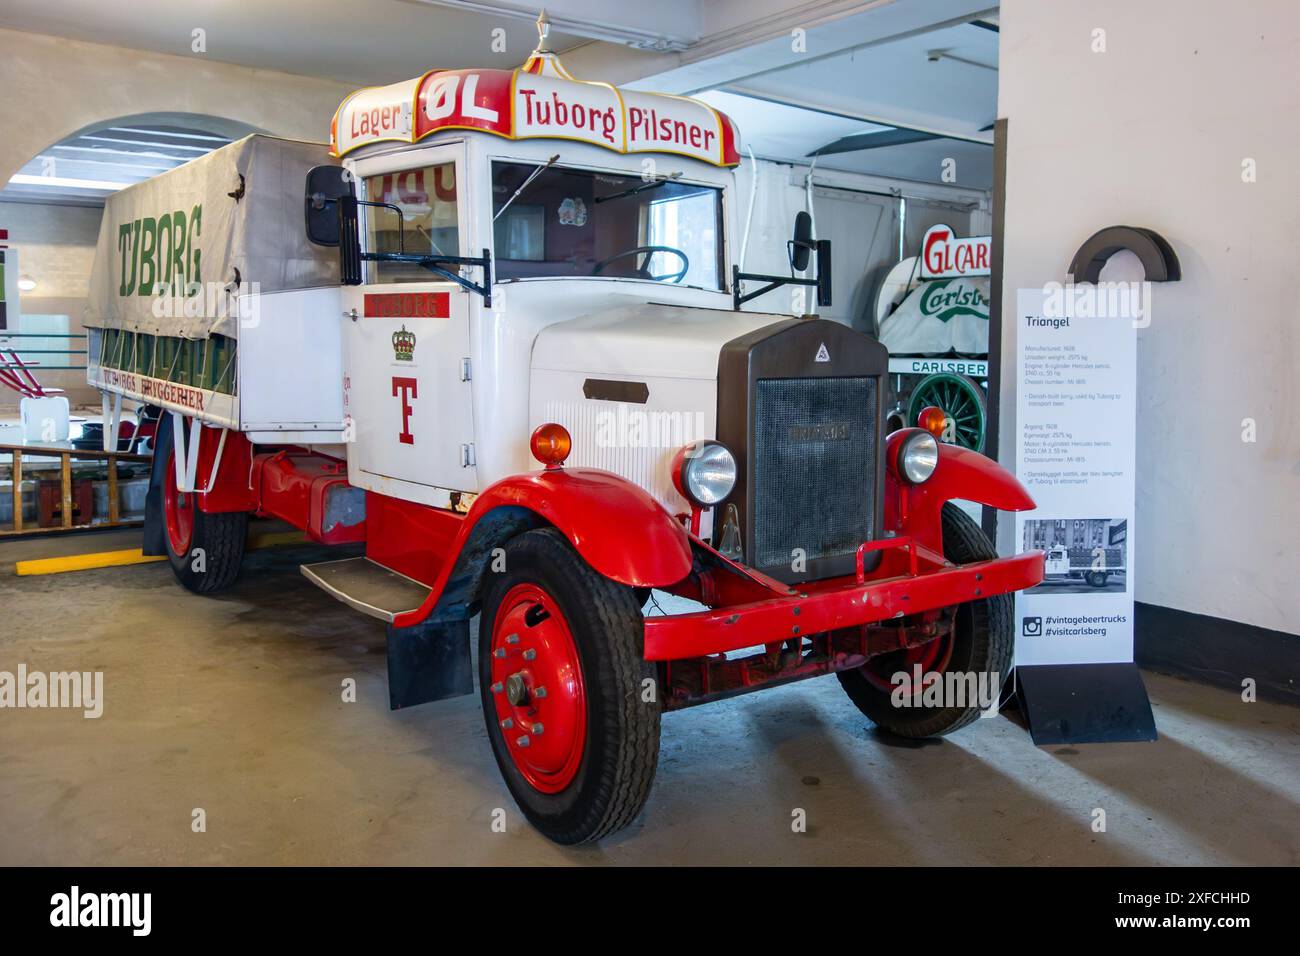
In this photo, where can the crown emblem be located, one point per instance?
(404, 345)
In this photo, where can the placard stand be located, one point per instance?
(1085, 703)
(1076, 369)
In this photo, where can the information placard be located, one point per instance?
(1076, 422)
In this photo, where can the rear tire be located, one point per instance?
(205, 550)
(982, 642)
(588, 771)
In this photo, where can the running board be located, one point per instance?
(367, 587)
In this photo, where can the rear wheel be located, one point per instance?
(563, 675)
(205, 550)
(981, 642)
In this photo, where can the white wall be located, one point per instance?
(1153, 132)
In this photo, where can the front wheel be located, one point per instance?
(205, 550)
(980, 644)
(568, 697)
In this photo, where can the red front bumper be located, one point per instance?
(924, 584)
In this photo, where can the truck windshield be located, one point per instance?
(575, 222)
(427, 224)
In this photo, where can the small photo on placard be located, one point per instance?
(1083, 555)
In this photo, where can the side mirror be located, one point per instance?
(802, 244)
(326, 185)
(800, 249)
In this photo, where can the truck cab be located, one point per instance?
(444, 384)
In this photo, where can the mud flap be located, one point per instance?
(154, 542)
(428, 662)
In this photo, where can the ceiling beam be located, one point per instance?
(805, 59)
(876, 140)
(935, 132)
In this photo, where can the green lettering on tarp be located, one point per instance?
(162, 251)
(135, 255)
(148, 244)
(163, 248)
(127, 282)
(196, 230)
(178, 267)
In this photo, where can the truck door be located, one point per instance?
(407, 402)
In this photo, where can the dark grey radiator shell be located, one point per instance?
(800, 439)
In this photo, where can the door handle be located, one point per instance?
(350, 314)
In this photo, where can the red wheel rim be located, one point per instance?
(178, 512)
(537, 688)
(933, 656)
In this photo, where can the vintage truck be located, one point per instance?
(497, 343)
(1092, 565)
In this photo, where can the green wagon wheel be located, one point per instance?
(962, 400)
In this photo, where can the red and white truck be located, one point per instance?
(505, 353)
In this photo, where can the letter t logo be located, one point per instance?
(407, 388)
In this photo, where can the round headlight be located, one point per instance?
(707, 473)
(918, 457)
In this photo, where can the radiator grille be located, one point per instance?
(814, 467)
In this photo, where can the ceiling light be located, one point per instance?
(26, 283)
(23, 179)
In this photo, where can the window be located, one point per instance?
(574, 222)
(419, 216)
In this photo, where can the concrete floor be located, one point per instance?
(233, 704)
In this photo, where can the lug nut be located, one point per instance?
(516, 690)
(499, 652)
(512, 639)
(530, 654)
(507, 723)
(537, 729)
(498, 687)
(539, 691)
(523, 741)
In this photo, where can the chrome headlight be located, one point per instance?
(706, 473)
(918, 457)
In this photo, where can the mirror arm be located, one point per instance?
(820, 247)
(772, 282)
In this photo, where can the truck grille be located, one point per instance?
(813, 467)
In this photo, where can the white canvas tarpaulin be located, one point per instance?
(940, 316)
(175, 250)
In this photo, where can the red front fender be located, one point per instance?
(617, 527)
(914, 509)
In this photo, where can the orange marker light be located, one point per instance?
(551, 444)
(934, 420)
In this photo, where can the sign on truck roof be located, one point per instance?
(539, 100)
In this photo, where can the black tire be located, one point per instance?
(621, 746)
(1097, 578)
(983, 643)
(216, 547)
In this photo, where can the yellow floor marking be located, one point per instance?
(113, 559)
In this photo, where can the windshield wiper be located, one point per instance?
(533, 175)
(653, 184)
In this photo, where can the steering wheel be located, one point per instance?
(642, 270)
